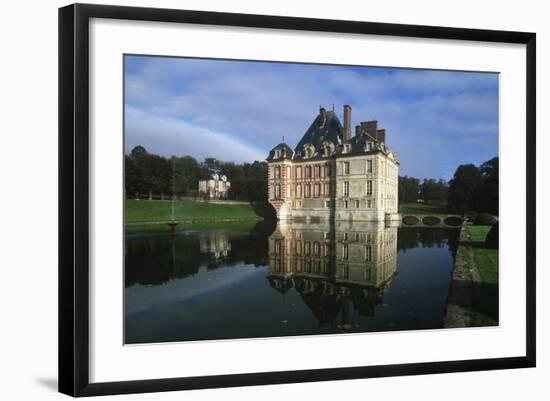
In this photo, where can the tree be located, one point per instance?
(463, 189)
(434, 190)
(488, 193)
(187, 174)
(138, 151)
(408, 188)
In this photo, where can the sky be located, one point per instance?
(239, 110)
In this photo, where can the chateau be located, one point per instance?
(216, 186)
(331, 175)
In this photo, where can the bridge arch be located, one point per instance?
(432, 220)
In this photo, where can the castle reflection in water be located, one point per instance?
(334, 266)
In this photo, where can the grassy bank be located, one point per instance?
(486, 260)
(147, 211)
(423, 208)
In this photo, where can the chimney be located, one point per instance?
(370, 127)
(357, 130)
(347, 123)
(381, 135)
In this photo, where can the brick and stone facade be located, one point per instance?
(331, 175)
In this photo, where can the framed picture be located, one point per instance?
(251, 199)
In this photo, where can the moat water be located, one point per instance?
(249, 280)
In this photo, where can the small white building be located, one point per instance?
(216, 186)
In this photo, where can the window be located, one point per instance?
(345, 271)
(369, 146)
(368, 253)
(298, 190)
(308, 171)
(357, 237)
(327, 171)
(316, 248)
(308, 190)
(346, 188)
(369, 187)
(367, 275)
(316, 190)
(346, 148)
(327, 150)
(369, 166)
(369, 204)
(345, 204)
(346, 168)
(327, 189)
(298, 172)
(277, 191)
(277, 154)
(345, 251)
(345, 236)
(317, 171)
(278, 172)
(357, 204)
(327, 204)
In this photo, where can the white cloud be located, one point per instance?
(168, 136)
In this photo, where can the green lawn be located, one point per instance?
(143, 211)
(423, 208)
(486, 260)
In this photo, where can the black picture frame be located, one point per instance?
(74, 198)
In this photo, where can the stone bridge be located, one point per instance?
(431, 220)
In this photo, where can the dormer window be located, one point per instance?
(346, 148)
(368, 147)
(308, 151)
(277, 154)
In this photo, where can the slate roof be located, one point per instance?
(215, 174)
(286, 152)
(331, 129)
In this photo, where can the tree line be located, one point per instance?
(472, 189)
(428, 190)
(156, 176)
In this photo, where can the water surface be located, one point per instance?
(260, 280)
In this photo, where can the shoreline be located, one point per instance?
(465, 277)
(193, 221)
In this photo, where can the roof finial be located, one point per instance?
(283, 139)
(332, 106)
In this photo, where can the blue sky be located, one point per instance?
(238, 110)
